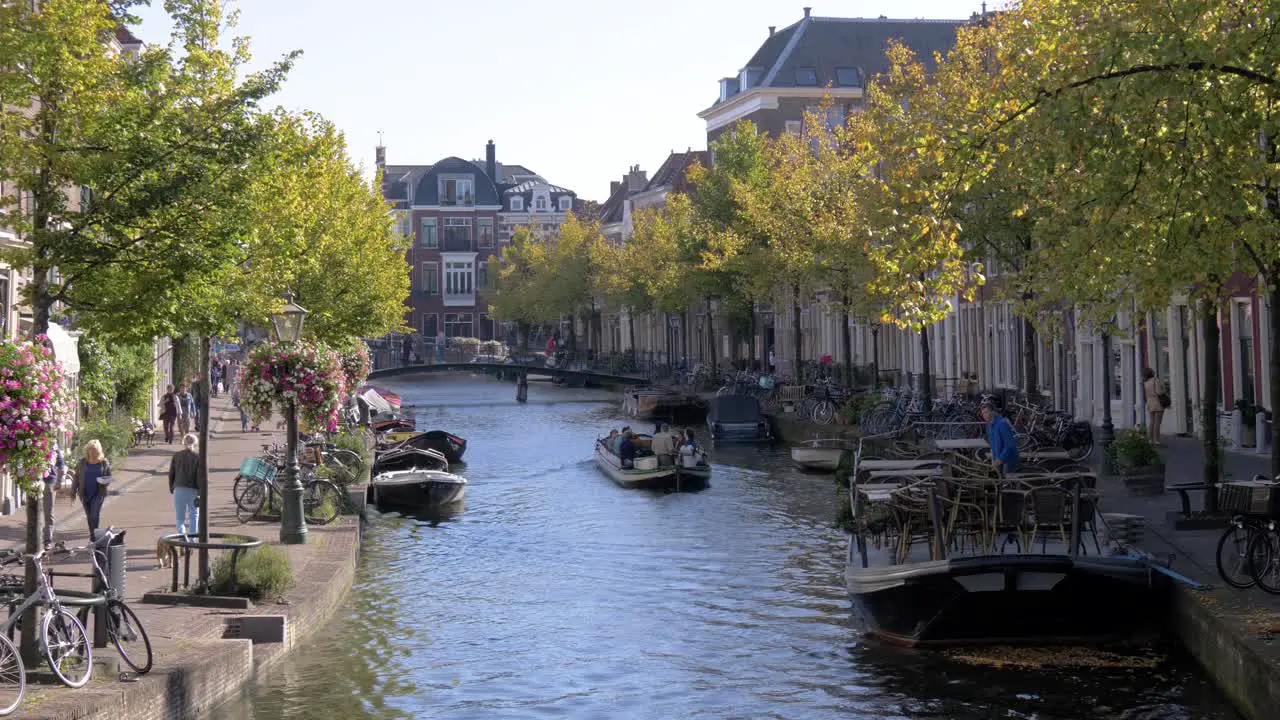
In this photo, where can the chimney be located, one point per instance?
(490, 161)
(806, 12)
(772, 30)
(613, 187)
(637, 179)
(380, 153)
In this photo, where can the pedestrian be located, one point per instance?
(184, 485)
(1004, 445)
(170, 412)
(51, 480)
(244, 416)
(89, 485)
(186, 405)
(1158, 400)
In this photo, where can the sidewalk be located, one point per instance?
(194, 665)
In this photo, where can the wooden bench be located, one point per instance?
(1182, 488)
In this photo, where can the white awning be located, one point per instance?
(65, 349)
(377, 403)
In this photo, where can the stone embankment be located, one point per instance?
(203, 656)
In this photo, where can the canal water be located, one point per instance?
(555, 594)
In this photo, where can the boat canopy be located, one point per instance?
(734, 409)
(377, 403)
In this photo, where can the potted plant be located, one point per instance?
(1137, 462)
(1248, 422)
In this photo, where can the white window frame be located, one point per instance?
(431, 338)
(566, 203)
(431, 269)
(481, 242)
(423, 240)
(464, 184)
(541, 203)
(793, 127)
(482, 265)
(517, 203)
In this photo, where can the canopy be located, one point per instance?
(376, 402)
(65, 349)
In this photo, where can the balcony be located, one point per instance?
(457, 200)
(454, 299)
(456, 244)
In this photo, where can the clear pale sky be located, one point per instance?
(576, 90)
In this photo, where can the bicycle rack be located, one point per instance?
(174, 542)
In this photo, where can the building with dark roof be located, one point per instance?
(817, 57)
(458, 214)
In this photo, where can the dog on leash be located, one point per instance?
(162, 554)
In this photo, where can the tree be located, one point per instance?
(516, 289)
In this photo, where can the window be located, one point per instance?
(430, 326)
(541, 202)
(486, 327)
(517, 204)
(484, 232)
(849, 77)
(458, 278)
(482, 275)
(794, 127)
(566, 203)
(1244, 330)
(457, 325)
(806, 76)
(429, 238)
(456, 190)
(457, 234)
(430, 278)
(404, 224)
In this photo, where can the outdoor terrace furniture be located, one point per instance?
(961, 444)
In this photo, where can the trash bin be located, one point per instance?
(113, 565)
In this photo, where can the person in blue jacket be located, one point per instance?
(1004, 446)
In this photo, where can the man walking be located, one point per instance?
(1004, 445)
(51, 480)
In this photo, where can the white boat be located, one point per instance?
(688, 472)
(821, 455)
(417, 488)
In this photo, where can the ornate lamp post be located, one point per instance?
(1106, 431)
(293, 522)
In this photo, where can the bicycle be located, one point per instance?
(1239, 567)
(123, 626)
(322, 501)
(63, 640)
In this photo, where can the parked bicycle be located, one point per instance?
(124, 628)
(256, 485)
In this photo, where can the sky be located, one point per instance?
(576, 90)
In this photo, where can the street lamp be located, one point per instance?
(1106, 431)
(293, 522)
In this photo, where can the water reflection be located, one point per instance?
(557, 594)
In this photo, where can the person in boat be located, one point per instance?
(611, 442)
(1004, 446)
(664, 445)
(688, 449)
(627, 449)
(616, 447)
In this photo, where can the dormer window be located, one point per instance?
(517, 203)
(806, 76)
(849, 77)
(566, 203)
(541, 203)
(457, 190)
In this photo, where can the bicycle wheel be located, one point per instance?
(13, 677)
(130, 638)
(341, 470)
(824, 412)
(1263, 559)
(250, 501)
(1232, 557)
(66, 647)
(321, 502)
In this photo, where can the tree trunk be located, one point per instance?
(875, 356)
(846, 341)
(926, 375)
(1273, 282)
(798, 340)
(1209, 408)
(752, 355)
(711, 336)
(202, 475)
(1030, 369)
(631, 333)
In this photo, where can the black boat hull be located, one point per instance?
(414, 496)
(1004, 599)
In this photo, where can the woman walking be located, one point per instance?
(86, 485)
(184, 485)
(1158, 401)
(170, 411)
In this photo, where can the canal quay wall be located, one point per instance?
(203, 656)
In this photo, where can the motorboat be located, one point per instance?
(821, 455)
(737, 418)
(689, 471)
(445, 443)
(940, 558)
(409, 459)
(416, 488)
(382, 427)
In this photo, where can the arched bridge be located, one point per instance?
(518, 371)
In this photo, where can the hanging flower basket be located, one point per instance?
(32, 410)
(309, 376)
(355, 365)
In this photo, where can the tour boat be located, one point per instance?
(934, 593)
(821, 455)
(416, 488)
(688, 472)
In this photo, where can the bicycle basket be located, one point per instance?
(258, 469)
(1250, 497)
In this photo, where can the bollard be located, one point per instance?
(1262, 434)
(522, 388)
(1237, 429)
